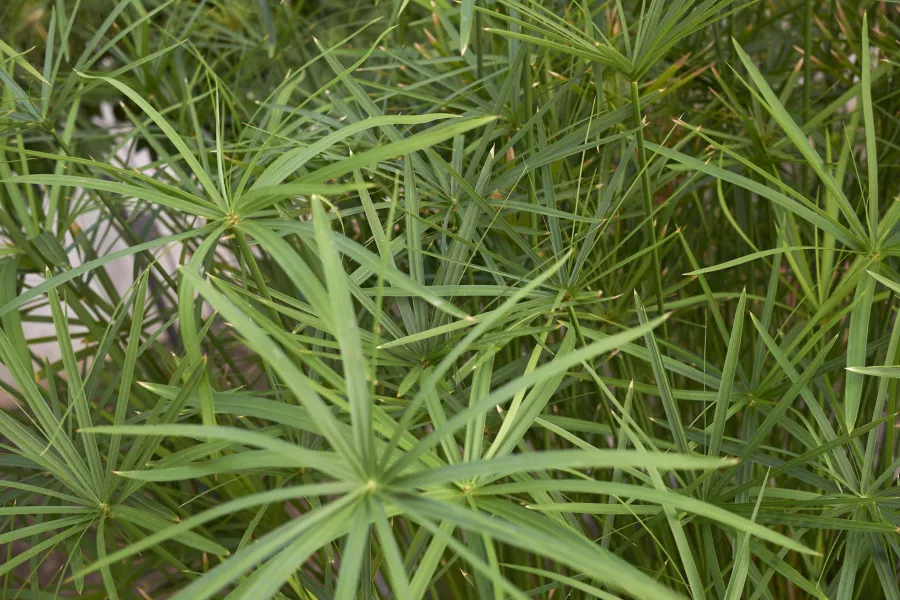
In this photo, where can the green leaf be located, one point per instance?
(561, 459)
(800, 141)
(662, 378)
(61, 278)
(856, 348)
(347, 334)
(194, 206)
(172, 135)
(289, 162)
(745, 259)
(19, 59)
(727, 383)
(663, 498)
(50, 248)
(466, 14)
(296, 381)
(419, 141)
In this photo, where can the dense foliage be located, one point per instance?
(426, 298)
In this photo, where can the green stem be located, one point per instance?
(479, 63)
(604, 404)
(648, 198)
(807, 61)
(529, 112)
(807, 75)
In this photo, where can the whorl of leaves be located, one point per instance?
(439, 299)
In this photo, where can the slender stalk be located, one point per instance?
(647, 195)
(807, 76)
(529, 112)
(479, 61)
(807, 62)
(604, 404)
